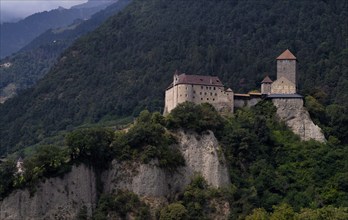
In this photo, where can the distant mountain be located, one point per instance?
(14, 36)
(94, 3)
(34, 60)
(125, 65)
(5, 16)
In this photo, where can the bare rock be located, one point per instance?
(56, 198)
(297, 118)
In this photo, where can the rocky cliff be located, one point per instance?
(55, 198)
(62, 198)
(295, 115)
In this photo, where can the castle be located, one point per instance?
(209, 89)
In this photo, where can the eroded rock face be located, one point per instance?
(201, 153)
(62, 198)
(297, 118)
(56, 198)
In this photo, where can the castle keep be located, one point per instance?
(209, 89)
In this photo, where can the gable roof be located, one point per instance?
(267, 80)
(286, 55)
(199, 80)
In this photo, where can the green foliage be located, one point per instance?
(127, 63)
(199, 118)
(174, 211)
(121, 204)
(285, 212)
(146, 140)
(92, 146)
(7, 177)
(332, 118)
(194, 202)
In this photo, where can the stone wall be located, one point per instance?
(287, 69)
(283, 86)
(215, 95)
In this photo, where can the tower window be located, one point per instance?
(208, 99)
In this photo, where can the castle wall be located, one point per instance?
(287, 69)
(169, 100)
(216, 95)
(283, 86)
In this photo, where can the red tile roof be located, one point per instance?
(267, 80)
(286, 55)
(199, 80)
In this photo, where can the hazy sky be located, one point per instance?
(23, 8)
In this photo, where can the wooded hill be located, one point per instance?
(126, 64)
(14, 36)
(35, 60)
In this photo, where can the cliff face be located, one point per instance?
(62, 198)
(55, 198)
(201, 155)
(297, 118)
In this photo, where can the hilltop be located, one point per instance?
(125, 65)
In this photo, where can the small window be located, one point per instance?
(208, 99)
(201, 87)
(214, 87)
(194, 92)
(200, 93)
(185, 95)
(201, 98)
(207, 87)
(211, 93)
(193, 97)
(205, 93)
(215, 94)
(213, 99)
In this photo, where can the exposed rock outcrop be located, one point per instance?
(55, 198)
(202, 155)
(62, 198)
(297, 118)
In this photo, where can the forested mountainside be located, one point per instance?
(14, 36)
(126, 64)
(35, 60)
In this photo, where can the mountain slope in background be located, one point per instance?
(14, 36)
(126, 64)
(34, 60)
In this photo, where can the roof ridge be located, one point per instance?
(286, 55)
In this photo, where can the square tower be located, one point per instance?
(286, 67)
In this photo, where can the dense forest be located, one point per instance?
(126, 64)
(35, 60)
(14, 36)
(273, 174)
